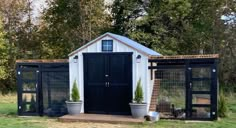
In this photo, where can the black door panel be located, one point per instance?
(107, 82)
(120, 87)
(94, 83)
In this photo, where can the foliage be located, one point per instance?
(3, 53)
(222, 105)
(20, 37)
(75, 95)
(168, 26)
(138, 93)
(124, 13)
(69, 24)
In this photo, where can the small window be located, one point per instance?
(107, 45)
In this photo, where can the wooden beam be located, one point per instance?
(186, 56)
(43, 61)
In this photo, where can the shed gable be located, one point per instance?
(119, 43)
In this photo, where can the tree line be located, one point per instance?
(170, 27)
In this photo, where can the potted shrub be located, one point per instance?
(74, 106)
(138, 108)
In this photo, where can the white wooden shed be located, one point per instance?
(107, 70)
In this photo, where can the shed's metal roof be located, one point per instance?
(124, 40)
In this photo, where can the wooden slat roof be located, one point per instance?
(186, 56)
(43, 61)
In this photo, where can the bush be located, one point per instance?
(222, 105)
(139, 93)
(75, 93)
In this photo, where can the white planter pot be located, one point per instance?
(138, 110)
(74, 108)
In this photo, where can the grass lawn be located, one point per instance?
(9, 119)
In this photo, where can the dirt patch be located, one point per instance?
(52, 123)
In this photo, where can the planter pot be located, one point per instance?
(74, 108)
(138, 110)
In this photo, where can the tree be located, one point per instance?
(124, 13)
(12, 12)
(3, 54)
(72, 23)
(28, 43)
(21, 35)
(4, 48)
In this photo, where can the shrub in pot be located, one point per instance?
(74, 106)
(138, 108)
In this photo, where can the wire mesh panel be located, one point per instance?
(185, 88)
(171, 97)
(55, 87)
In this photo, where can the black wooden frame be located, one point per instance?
(187, 64)
(41, 67)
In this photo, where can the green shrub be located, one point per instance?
(138, 93)
(222, 105)
(75, 93)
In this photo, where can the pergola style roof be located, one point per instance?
(43, 61)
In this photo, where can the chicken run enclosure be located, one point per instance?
(43, 87)
(185, 86)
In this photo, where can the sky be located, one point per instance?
(38, 6)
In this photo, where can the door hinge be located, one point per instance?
(190, 85)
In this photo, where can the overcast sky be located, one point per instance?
(38, 6)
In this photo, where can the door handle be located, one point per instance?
(107, 84)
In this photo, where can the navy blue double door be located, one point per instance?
(107, 83)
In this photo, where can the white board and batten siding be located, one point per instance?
(140, 70)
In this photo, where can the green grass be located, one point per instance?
(9, 119)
